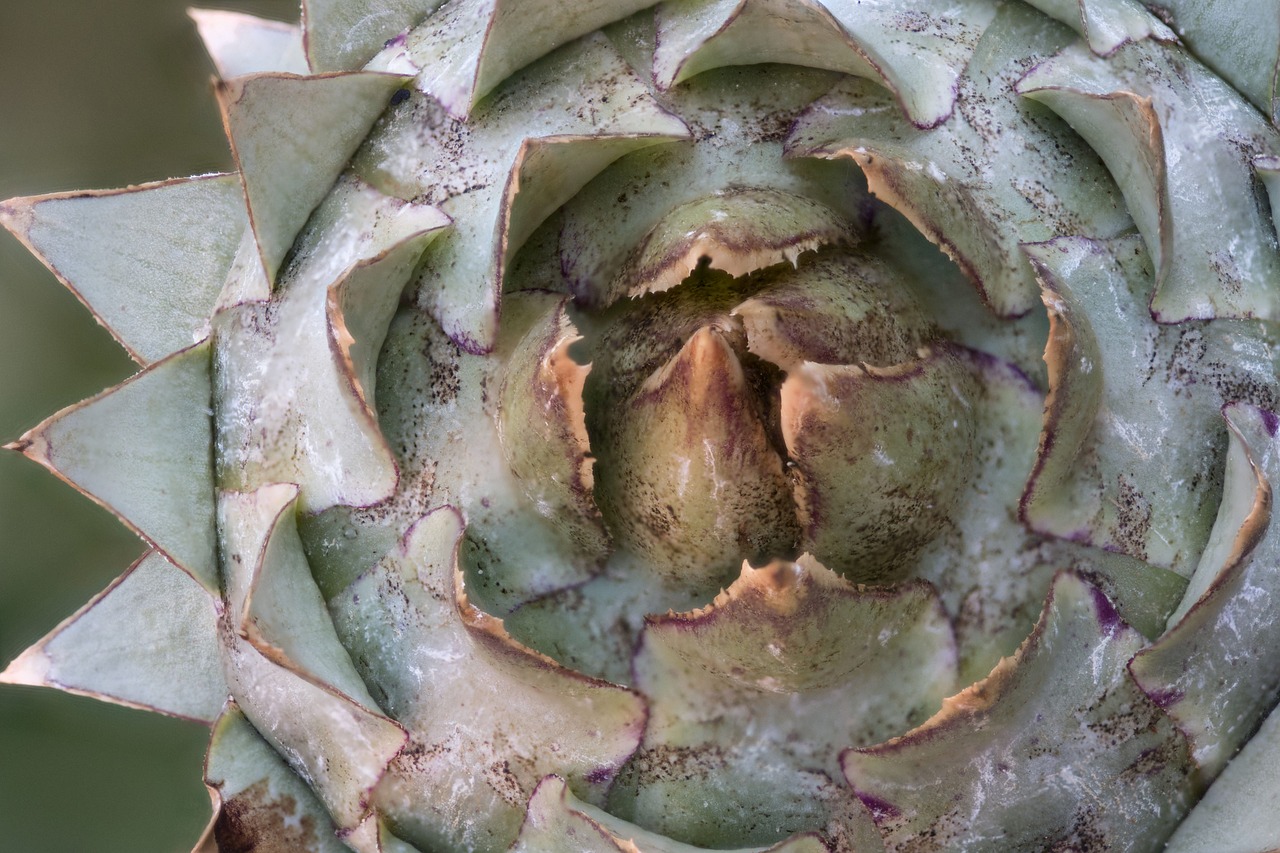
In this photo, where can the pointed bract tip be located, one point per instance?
(15, 214)
(31, 668)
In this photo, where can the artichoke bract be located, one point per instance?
(802, 425)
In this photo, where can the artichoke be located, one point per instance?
(752, 424)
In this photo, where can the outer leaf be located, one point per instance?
(557, 820)
(753, 697)
(524, 152)
(342, 35)
(1239, 39)
(1181, 145)
(1241, 811)
(260, 803)
(148, 641)
(296, 377)
(149, 261)
(241, 44)
(987, 770)
(918, 60)
(1131, 460)
(1217, 671)
(469, 47)
(1106, 24)
(284, 663)
(291, 136)
(141, 449)
(991, 572)
(965, 184)
(489, 717)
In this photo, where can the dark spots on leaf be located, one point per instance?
(253, 822)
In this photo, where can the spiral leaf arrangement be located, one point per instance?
(789, 424)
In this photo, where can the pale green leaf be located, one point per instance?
(752, 698)
(918, 59)
(343, 35)
(878, 458)
(1133, 445)
(965, 184)
(149, 260)
(488, 717)
(241, 44)
(285, 665)
(1217, 671)
(557, 820)
(1181, 145)
(525, 151)
(1106, 24)
(987, 772)
(148, 641)
(260, 802)
(468, 47)
(143, 450)
(291, 137)
(1239, 39)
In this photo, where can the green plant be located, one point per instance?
(368, 429)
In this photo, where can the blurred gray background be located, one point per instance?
(94, 94)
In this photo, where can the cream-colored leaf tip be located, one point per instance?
(792, 425)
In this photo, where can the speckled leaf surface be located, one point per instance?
(241, 44)
(541, 419)
(295, 393)
(291, 137)
(1240, 813)
(689, 480)
(986, 771)
(342, 35)
(931, 279)
(847, 308)
(261, 804)
(286, 667)
(874, 452)
(1106, 24)
(141, 449)
(737, 118)
(149, 261)
(488, 717)
(917, 54)
(1131, 459)
(739, 231)
(433, 397)
(1217, 671)
(1181, 144)
(991, 572)
(1239, 39)
(753, 697)
(148, 641)
(583, 97)
(469, 47)
(557, 820)
(960, 183)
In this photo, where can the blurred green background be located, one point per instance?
(94, 94)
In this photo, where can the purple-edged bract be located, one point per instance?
(803, 425)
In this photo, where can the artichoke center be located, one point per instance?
(803, 407)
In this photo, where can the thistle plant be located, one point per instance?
(755, 425)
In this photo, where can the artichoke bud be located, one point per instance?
(688, 475)
(596, 438)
